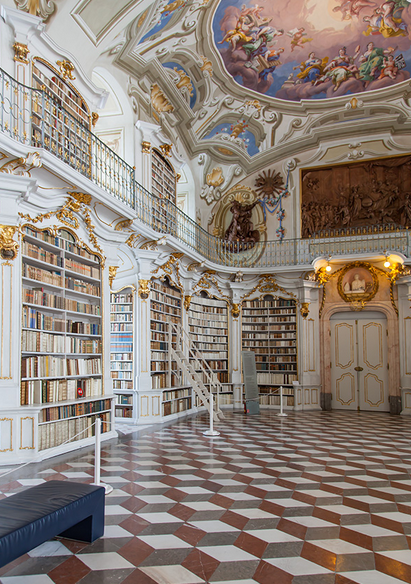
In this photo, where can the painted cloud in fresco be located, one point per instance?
(306, 49)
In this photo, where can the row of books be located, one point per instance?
(222, 376)
(74, 410)
(60, 242)
(115, 308)
(121, 374)
(122, 384)
(83, 269)
(120, 366)
(273, 327)
(46, 276)
(39, 297)
(274, 400)
(117, 298)
(157, 356)
(214, 351)
(41, 342)
(165, 298)
(121, 357)
(41, 391)
(123, 412)
(165, 314)
(49, 366)
(32, 318)
(159, 345)
(121, 327)
(159, 366)
(266, 313)
(124, 400)
(39, 253)
(207, 322)
(209, 303)
(116, 347)
(277, 378)
(174, 407)
(176, 394)
(267, 321)
(207, 338)
(278, 303)
(160, 381)
(271, 342)
(55, 433)
(215, 312)
(83, 328)
(81, 286)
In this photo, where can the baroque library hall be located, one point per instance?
(205, 214)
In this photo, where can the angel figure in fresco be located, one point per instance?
(388, 68)
(351, 8)
(311, 69)
(298, 38)
(257, 47)
(386, 20)
(238, 34)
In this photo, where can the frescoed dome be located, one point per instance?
(314, 50)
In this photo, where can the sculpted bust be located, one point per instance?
(357, 284)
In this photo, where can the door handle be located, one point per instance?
(358, 369)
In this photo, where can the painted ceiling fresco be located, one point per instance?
(314, 49)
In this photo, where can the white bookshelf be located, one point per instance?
(61, 337)
(208, 327)
(122, 353)
(269, 328)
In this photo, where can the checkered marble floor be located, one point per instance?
(314, 498)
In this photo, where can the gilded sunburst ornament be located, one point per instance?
(269, 184)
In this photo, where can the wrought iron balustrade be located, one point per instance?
(34, 118)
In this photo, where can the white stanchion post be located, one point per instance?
(211, 431)
(282, 414)
(97, 459)
(97, 453)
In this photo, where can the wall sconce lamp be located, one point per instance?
(387, 263)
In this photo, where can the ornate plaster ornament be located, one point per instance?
(145, 147)
(184, 84)
(20, 53)
(66, 69)
(354, 103)
(187, 301)
(42, 8)
(8, 247)
(159, 101)
(215, 178)
(94, 118)
(235, 310)
(207, 66)
(133, 240)
(166, 149)
(354, 152)
(22, 166)
(304, 309)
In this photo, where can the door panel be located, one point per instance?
(359, 375)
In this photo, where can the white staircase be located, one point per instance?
(194, 368)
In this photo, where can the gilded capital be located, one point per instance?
(20, 53)
(94, 118)
(8, 247)
(187, 300)
(145, 147)
(144, 289)
(304, 310)
(235, 310)
(112, 272)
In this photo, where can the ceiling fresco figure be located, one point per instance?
(326, 42)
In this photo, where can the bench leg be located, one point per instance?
(88, 530)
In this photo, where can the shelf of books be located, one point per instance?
(60, 118)
(269, 328)
(61, 345)
(165, 307)
(208, 327)
(122, 352)
(163, 185)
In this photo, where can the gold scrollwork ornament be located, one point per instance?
(304, 310)
(187, 300)
(112, 273)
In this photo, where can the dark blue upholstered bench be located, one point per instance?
(29, 518)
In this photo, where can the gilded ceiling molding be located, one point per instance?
(42, 8)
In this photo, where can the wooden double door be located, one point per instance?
(359, 369)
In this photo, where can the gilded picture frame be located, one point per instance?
(358, 282)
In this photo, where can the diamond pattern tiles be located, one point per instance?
(314, 498)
